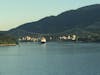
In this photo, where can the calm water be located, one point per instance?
(52, 58)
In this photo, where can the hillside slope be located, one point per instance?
(82, 19)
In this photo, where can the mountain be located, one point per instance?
(82, 20)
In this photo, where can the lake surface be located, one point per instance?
(52, 58)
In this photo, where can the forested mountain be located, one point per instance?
(84, 21)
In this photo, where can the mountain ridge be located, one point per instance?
(85, 18)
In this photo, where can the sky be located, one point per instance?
(14, 13)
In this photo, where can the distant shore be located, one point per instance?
(8, 44)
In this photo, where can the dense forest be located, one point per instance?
(7, 39)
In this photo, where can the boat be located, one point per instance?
(43, 40)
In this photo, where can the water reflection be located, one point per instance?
(43, 45)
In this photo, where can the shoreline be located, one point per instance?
(8, 44)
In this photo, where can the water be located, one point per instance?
(52, 58)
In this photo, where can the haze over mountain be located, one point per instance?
(73, 21)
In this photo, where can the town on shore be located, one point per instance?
(10, 40)
(48, 38)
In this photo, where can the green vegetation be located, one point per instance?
(84, 18)
(92, 37)
(7, 39)
(84, 22)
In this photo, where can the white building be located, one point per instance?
(73, 37)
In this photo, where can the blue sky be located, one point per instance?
(16, 12)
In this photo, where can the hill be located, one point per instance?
(82, 21)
